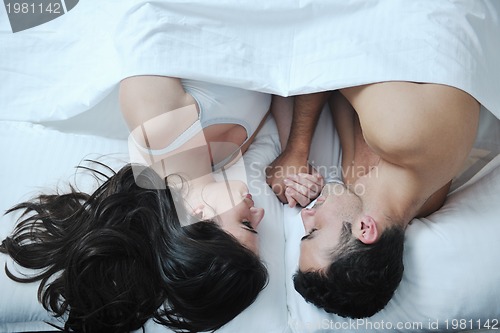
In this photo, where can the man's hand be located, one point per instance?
(293, 180)
(293, 159)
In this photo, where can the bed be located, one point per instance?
(60, 107)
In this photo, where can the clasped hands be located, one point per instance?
(293, 179)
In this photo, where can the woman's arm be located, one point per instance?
(158, 110)
(152, 96)
(147, 101)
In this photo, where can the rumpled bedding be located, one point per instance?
(58, 106)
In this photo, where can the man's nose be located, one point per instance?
(308, 218)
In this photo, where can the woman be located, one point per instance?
(141, 246)
(192, 129)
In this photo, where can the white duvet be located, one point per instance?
(58, 105)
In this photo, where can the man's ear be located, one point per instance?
(368, 232)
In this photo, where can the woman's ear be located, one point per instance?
(198, 211)
(368, 232)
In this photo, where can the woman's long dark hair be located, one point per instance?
(111, 260)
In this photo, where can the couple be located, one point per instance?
(176, 246)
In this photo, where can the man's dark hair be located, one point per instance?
(362, 277)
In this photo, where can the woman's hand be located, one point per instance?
(302, 188)
(286, 164)
(293, 180)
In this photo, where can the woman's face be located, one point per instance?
(231, 206)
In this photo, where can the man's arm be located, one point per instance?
(426, 129)
(293, 159)
(282, 109)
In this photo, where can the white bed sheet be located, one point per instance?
(289, 47)
(61, 69)
(285, 47)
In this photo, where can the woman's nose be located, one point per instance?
(257, 216)
(308, 218)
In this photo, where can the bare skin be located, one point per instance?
(402, 144)
(360, 158)
(421, 132)
(157, 95)
(292, 166)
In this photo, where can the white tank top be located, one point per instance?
(220, 104)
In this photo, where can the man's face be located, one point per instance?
(323, 225)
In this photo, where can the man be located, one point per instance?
(402, 143)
